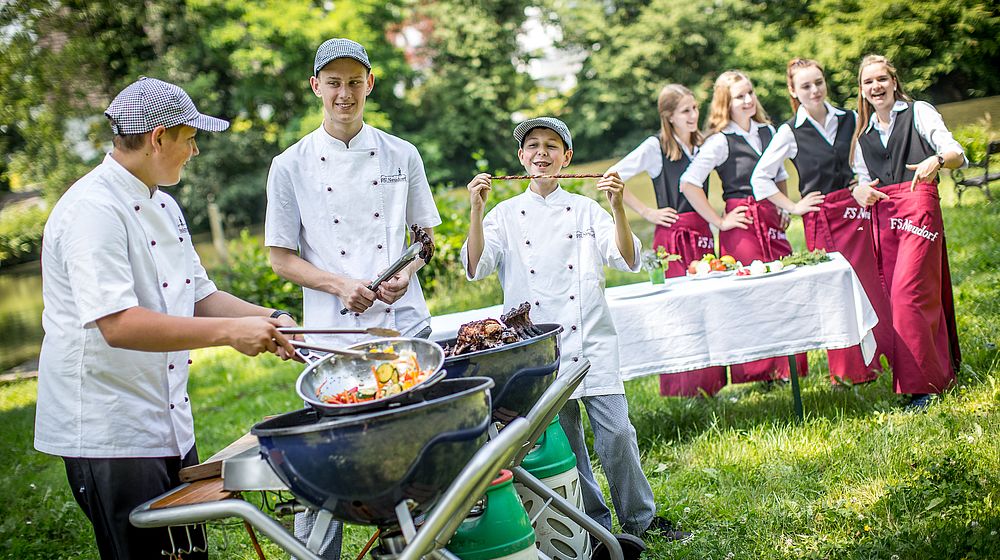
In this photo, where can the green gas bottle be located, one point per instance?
(500, 530)
(552, 461)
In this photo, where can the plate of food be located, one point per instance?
(760, 269)
(711, 266)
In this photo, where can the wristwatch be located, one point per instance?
(940, 159)
(279, 312)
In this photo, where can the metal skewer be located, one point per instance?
(557, 176)
(374, 331)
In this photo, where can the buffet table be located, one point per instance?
(687, 324)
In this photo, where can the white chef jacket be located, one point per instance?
(551, 252)
(647, 157)
(715, 151)
(346, 210)
(108, 246)
(783, 146)
(929, 125)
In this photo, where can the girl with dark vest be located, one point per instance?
(898, 149)
(749, 229)
(818, 141)
(679, 229)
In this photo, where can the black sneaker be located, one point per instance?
(918, 403)
(664, 528)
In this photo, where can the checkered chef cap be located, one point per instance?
(148, 103)
(332, 49)
(552, 123)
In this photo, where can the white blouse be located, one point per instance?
(783, 146)
(647, 157)
(715, 151)
(929, 124)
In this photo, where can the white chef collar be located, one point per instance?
(554, 196)
(364, 139)
(133, 186)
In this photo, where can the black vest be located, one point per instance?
(905, 146)
(735, 172)
(823, 168)
(667, 185)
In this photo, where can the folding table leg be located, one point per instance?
(796, 395)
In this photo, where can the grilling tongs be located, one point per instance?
(406, 258)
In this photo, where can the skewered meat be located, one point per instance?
(418, 235)
(491, 333)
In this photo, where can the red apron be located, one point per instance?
(913, 262)
(690, 237)
(763, 240)
(844, 226)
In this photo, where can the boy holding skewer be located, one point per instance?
(550, 248)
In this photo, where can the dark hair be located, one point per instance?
(135, 142)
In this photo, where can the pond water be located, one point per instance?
(20, 314)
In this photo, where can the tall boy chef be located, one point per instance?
(125, 299)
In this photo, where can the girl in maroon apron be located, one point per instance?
(749, 229)
(678, 228)
(898, 148)
(818, 141)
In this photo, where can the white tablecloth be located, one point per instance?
(689, 324)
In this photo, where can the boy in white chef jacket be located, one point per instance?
(550, 248)
(339, 202)
(125, 298)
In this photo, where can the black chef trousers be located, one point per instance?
(109, 489)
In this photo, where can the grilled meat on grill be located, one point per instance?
(418, 235)
(491, 333)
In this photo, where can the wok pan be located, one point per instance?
(332, 374)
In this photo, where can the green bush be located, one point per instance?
(248, 275)
(974, 138)
(21, 232)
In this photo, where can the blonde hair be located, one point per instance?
(794, 65)
(670, 97)
(718, 116)
(865, 108)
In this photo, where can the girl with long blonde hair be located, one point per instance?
(899, 147)
(817, 139)
(678, 227)
(749, 229)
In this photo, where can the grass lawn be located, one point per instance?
(858, 479)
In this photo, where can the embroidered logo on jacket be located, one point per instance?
(589, 232)
(909, 227)
(181, 226)
(398, 177)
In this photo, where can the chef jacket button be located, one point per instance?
(388, 310)
(357, 314)
(171, 366)
(572, 297)
(171, 406)
(537, 304)
(328, 189)
(371, 153)
(568, 208)
(343, 252)
(185, 399)
(575, 359)
(136, 207)
(164, 284)
(569, 236)
(527, 242)
(376, 214)
(181, 239)
(374, 183)
(163, 205)
(573, 328)
(187, 280)
(532, 271)
(336, 221)
(153, 242)
(571, 267)
(379, 246)
(322, 158)
(190, 362)
(522, 212)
